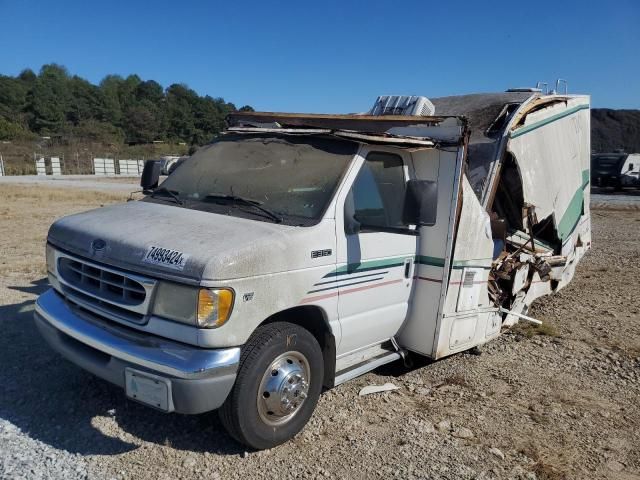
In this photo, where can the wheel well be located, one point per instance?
(314, 320)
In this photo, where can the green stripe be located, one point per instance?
(373, 265)
(542, 123)
(366, 266)
(432, 261)
(476, 263)
(572, 215)
(333, 287)
(457, 264)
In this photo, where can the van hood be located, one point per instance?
(182, 244)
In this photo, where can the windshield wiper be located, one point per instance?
(171, 193)
(245, 201)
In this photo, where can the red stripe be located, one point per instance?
(319, 297)
(351, 290)
(435, 280)
(475, 283)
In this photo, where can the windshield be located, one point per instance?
(292, 177)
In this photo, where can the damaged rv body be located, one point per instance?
(299, 251)
(524, 220)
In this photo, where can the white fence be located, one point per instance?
(55, 166)
(53, 163)
(130, 167)
(41, 167)
(104, 166)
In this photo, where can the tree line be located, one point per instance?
(129, 110)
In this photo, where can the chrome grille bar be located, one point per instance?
(114, 294)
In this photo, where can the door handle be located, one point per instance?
(407, 267)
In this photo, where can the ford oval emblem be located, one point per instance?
(98, 244)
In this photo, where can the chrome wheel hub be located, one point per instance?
(284, 388)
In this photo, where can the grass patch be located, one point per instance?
(543, 467)
(33, 193)
(27, 212)
(457, 380)
(529, 330)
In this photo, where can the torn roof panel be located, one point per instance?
(399, 130)
(361, 123)
(483, 113)
(480, 109)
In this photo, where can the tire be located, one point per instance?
(281, 362)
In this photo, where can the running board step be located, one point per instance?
(366, 366)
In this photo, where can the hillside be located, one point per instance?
(615, 129)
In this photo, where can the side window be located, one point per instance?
(378, 191)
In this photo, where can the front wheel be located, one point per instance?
(277, 387)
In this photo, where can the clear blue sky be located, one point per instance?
(334, 56)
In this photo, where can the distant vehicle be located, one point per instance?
(617, 170)
(299, 251)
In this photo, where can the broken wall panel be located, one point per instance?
(469, 317)
(472, 255)
(487, 114)
(552, 151)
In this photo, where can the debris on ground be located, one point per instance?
(369, 389)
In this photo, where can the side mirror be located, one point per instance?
(150, 175)
(420, 203)
(351, 225)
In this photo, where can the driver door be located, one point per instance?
(375, 267)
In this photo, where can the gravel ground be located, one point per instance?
(557, 402)
(607, 198)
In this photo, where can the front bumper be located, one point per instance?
(200, 378)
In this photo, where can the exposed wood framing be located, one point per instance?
(361, 123)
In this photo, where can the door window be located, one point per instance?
(378, 191)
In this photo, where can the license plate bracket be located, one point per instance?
(149, 389)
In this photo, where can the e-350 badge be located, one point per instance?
(321, 253)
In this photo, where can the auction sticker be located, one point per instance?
(165, 257)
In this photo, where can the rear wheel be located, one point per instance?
(277, 388)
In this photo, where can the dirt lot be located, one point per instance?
(562, 401)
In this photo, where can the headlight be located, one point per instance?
(51, 259)
(214, 307)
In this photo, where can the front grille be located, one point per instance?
(107, 292)
(100, 307)
(101, 283)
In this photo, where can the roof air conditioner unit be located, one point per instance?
(403, 105)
